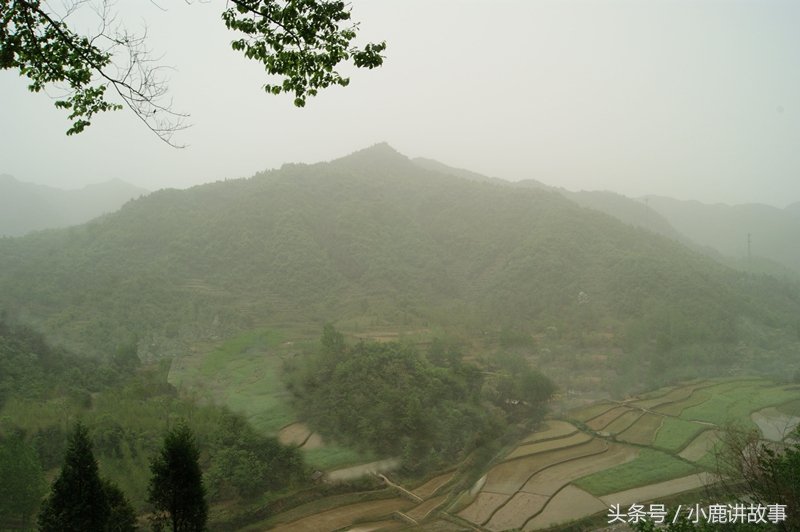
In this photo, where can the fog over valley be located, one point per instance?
(292, 266)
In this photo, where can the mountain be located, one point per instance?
(774, 233)
(26, 207)
(713, 230)
(375, 239)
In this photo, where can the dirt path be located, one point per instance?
(376, 526)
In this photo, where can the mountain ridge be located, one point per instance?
(26, 207)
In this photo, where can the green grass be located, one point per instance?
(650, 467)
(675, 434)
(243, 374)
(260, 338)
(736, 401)
(336, 457)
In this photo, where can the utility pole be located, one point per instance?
(646, 213)
(749, 257)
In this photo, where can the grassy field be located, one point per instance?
(737, 401)
(674, 409)
(650, 467)
(244, 374)
(675, 434)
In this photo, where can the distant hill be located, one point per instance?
(377, 238)
(775, 233)
(718, 231)
(26, 207)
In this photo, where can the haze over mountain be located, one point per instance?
(773, 233)
(375, 238)
(26, 207)
(719, 231)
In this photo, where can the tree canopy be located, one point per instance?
(302, 41)
(176, 487)
(78, 501)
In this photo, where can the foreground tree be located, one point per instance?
(22, 482)
(82, 501)
(77, 501)
(176, 487)
(302, 41)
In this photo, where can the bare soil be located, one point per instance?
(313, 442)
(516, 511)
(555, 429)
(510, 476)
(552, 479)
(296, 433)
(430, 487)
(605, 418)
(699, 446)
(483, 506)
(643, 431)
(421, 512)
(341, 517)
(568, 504)
(623, 422)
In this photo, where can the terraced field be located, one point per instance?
(643, 430)
(636, 452)
(563, 486)
(606, 417)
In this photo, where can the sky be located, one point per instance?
(689, 99)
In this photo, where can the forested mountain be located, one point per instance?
(374, 235)
(774, 233)
(719, 231)
(26, 207)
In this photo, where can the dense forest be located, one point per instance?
(375, 236)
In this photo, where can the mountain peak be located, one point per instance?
(380, 152)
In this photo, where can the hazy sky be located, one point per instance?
(695, 100)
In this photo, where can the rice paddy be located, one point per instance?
(675, 434)
(643, 430)
(607, 417)
(649, 468)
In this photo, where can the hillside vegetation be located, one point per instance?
(375, 238)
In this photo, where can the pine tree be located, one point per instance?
(77, 501)
(176, 488)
